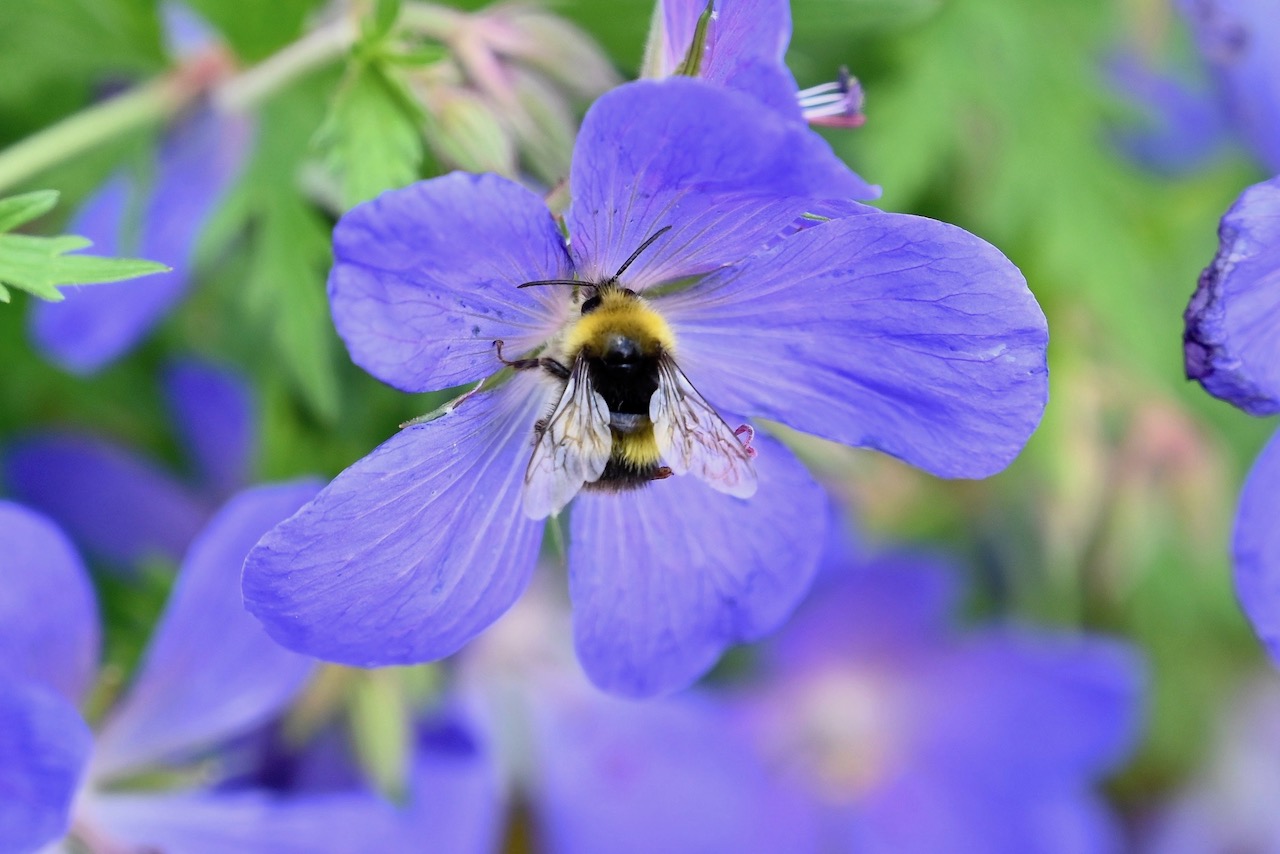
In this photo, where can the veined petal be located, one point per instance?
(247, 822)
(210, 671)
(425, 279)
(725, 176)
(49, 631)
(214, 413)
(1256, 546)
(118, 506)
(1230, 343)
(43, 747)
(664, 578)
(885, 331)
(99, 323)
(413, 550)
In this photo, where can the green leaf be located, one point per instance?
(369, 139)
(39, 265)
(378, 24)
(17, 210)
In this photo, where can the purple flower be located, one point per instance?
(1232, 339)
(1230, 804)
(911, 736)
(197, 160)
(879, 330)
(1240, 42)
(123, 508)
(209, 674)
(1182, 125)
(745, 45)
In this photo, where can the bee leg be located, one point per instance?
(746, 443)
(661, 473)
(550, 365)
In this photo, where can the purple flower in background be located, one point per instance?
(911, 736)
(744, 50)
(209, 674)
(1230, 804)
(197, 160)
(1182, 125)
(879, 330)
(1239, 40)
(123, 508)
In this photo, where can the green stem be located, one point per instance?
(155, 101)
(146, 105)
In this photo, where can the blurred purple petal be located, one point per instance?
(99, 323)
(1040, 710)
(49, 630)
(414, 549)
(1240, 40)
(683, 153)
(116, 505)
(43, 747)
(457, 800)
(664, 578)
(425, 279)
(886, 331)
(1257, 547)
(185, 33)
(214, 413)
(210, 671)
(248, 823)
(665, 776)
(1182, 126)
(891, 604)
(1230, 344)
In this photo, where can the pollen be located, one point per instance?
(625, 314)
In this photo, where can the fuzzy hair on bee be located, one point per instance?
(626, 415)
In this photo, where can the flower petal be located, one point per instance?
(247, 822)
(99, 323)
(424, 279)
(884, 331)
(210, 671)
(413, 550)
(43, 747)
(725, 175)
(214, 413)
(456, 803)
(1183, 126)
(664, 776)
(1256, 548)
(118, 506)
(1230, 343)
(664, 578)
(49, 631)
(1239, 39)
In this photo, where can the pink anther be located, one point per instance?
(746, 443)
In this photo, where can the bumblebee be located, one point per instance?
(626, 414)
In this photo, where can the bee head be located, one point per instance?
(610, 293)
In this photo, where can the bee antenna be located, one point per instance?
(643, 246)
(541, 282)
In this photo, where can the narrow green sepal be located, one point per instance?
(691, 65)
(18, 210)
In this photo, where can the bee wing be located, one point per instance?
(573, 448)
(692, 437)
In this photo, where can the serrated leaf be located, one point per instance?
(17, 210)
(39, 265)
(368, 138)
(287, 291)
